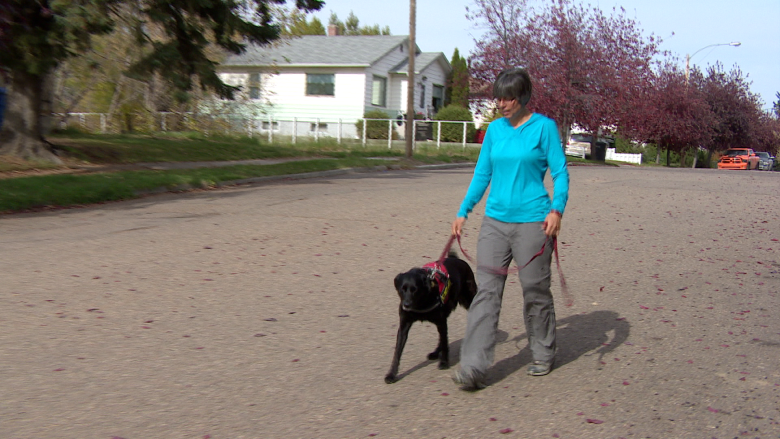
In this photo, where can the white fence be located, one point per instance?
(623, 157)
(289, 130)
(580, 151)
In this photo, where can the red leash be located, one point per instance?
(568, 300)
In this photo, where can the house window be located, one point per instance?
(321, 127)
(320, 84)
(422, 95)
(438, 97)
(269, 125)
(254, 86)
(379, 92)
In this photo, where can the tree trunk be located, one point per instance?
(22, 132)
(695, 157)
(682, 158)
(658, 155)
(668, 156)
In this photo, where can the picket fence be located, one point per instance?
(293, 130)
(275, 130)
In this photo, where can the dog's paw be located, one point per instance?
(444, 365)
(390, 378)
(433, 355)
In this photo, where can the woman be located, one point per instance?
(519, 219)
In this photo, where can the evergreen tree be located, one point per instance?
(776, 106)
(36, 36)
(295, 23)
(458, 82)
(352, 26)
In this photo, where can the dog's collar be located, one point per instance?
(437, 274)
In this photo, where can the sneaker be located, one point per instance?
(467, 381)
(539, 368)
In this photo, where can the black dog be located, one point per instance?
(430, 294)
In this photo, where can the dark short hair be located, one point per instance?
(513, 83)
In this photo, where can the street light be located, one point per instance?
(688, 59)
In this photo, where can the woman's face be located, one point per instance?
(508, 107)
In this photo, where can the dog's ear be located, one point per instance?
(398, 280)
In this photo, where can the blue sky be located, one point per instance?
(685, 26)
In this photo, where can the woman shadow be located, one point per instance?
(577, 336)
(501, 337)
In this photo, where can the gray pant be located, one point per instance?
(499, 243)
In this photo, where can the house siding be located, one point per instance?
(353, 60)
(382, 68)
(284, 99)
(435, 74)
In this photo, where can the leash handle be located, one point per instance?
(568, 300)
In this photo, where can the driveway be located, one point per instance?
(268, 311)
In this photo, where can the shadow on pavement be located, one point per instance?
(578, 335)
(501, 337)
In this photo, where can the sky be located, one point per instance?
(685, 26)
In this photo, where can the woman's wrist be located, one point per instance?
(557, 212)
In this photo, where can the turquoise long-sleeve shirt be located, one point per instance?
(513, 161)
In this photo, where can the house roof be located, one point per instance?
(320, 50)
(421, 62)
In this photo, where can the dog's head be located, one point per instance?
(416, 290)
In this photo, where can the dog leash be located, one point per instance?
(567, 298)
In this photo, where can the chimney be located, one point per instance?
(333, 30)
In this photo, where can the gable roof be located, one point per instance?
(421, 62)
(320, 50)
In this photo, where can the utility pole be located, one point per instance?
(409, 133)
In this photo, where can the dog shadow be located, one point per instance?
(501, 336)
(580, 335)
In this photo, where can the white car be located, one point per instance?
(579, 145)
(765, 161)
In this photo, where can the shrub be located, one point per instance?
(375, 129)
(453, 132)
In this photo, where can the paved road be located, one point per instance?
(268, 312)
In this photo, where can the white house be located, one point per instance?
(334, 78)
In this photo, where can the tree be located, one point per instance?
(458, 82)
(295, 23)
(735, 109)
(776, 105)
(38, 35)
(680, 116)
(352, 26)
(588, 68)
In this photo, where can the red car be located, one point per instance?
(739, 158)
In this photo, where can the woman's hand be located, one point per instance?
(552, 224)
(457, 226)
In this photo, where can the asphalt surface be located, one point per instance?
(268, 311)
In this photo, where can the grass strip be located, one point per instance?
(64, 190)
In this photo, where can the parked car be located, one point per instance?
(579, 145)
(739, 158)
(765, 161)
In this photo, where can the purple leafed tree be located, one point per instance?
(589, 68)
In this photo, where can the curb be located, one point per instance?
(302, 176)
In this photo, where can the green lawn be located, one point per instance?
(73, 189)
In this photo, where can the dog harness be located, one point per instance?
(440, 279)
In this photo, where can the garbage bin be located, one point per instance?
(423, 131)
(600, 154)
(479, 136)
